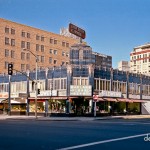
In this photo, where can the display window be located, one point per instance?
(18, 107)
(57, 106)
(40, 106)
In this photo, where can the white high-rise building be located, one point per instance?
(124, 66)
(140, 59)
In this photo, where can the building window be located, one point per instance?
(12, 31)
(55, 41)
(22, 44)
(42, 59)
(37, 47)
(50, 60)
(55, 52)
(67, 63)
(63, 43)
(38, 58)
(63, 62)
(27, 66)
(63, 53)
(51, 51)
(37, 37)
(42, 38)
(67, 44)
(6, 30)
(51, 41)
(12, 42)
(12, 54)
(23, 34)
(28, 56)
(28, 45)
(22, 67)
(67, 54)
(6, 64)
(42, 48)
(55, 61)
(6, 41)
(6, 52)
(28, 35)
(22, 56)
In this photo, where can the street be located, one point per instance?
(50, 135)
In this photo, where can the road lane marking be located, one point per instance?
(101, 142)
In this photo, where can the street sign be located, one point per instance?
(76, 31)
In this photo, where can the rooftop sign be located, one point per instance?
(76, 31)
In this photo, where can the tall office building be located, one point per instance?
(19, 44)
(140, 59)
(124, 66)
(102, 60)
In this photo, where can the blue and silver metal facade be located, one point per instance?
(70, 89)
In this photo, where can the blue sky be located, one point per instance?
(113, 27)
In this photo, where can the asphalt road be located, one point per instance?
(85, 135)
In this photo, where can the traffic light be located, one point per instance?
(10, 69)
(38, 91)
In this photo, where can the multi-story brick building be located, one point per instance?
(18, 41)
(140, 59)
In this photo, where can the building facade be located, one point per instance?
(69, 89)
(17, 40)
(124, 66)
(140, 59)
(102, 60)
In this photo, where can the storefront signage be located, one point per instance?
(80, 90)
(14, 95)
(62, 93)
(134, 96)
(145, 97)
(48, 93)
(110, 94)
(4, 95)
(76, 31)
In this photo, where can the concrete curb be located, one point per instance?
(5, 117)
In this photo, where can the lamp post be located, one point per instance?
(36, 60)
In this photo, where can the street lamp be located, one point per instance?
(36, 60)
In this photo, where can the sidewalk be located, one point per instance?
(40, 118)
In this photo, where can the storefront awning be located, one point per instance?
(2, 100)
(110, 99)
(138, 101)
(124, 100)
(100, 99)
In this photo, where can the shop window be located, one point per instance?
(57, 106)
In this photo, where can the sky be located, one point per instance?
(113, 27)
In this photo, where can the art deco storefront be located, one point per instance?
(69, 90)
